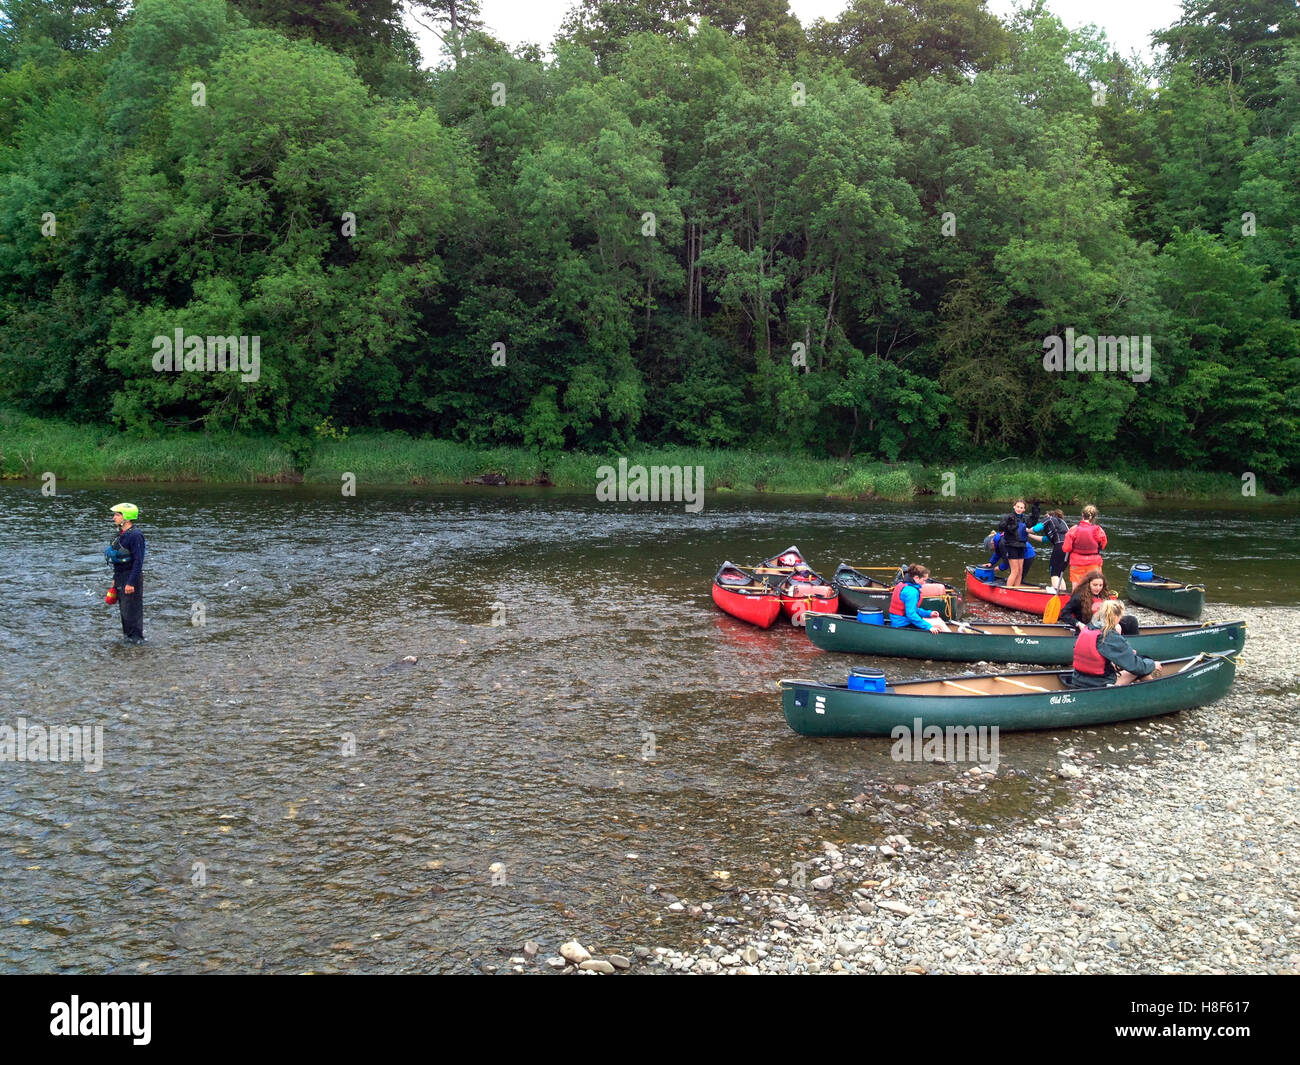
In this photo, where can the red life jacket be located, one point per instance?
(1087, 659)
(1085, 540)
(896, 607)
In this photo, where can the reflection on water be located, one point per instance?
(275, 797)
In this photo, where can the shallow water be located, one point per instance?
(528, 779)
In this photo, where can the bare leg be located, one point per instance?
(1017, 567)
(1125, 677)
(939, 625)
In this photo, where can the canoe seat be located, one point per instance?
(964, 687)
(1022, 684)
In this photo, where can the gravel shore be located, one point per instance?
(1167, 847)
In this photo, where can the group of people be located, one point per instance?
(1076, 549)
(1102, 655)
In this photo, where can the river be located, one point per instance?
(582, 731)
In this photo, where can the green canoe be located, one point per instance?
(1037, 644)
(1010, 701)
(860, 591)
(1169, 597)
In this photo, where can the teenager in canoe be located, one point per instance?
(995, 542)
(904, 600)
(1103, 657)
(1015, 538)
(1084, 544)
(1084, 607)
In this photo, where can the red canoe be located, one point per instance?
(803, 591)
(744, 596)
(1029, 598)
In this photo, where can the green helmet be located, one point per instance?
(129, 511)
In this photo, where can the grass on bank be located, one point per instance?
(31, 446)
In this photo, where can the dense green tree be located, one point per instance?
(692, 224)
(888, 42)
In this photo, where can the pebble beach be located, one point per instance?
(1170, 851)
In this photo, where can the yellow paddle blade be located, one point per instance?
(1052, 613)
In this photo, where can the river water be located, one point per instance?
(583, 730)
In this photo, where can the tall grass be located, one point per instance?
(31, 446)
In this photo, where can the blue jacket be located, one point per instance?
(997, 559)
(910, 594)
(132, 540)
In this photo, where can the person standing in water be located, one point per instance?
(1084, 544)
(126, 554)
(1053, 531)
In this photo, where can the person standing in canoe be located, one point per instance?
(1084, 544)
(126, 555)
(1084, 607)
(1053, 530)
(906, 597)
(1015, 537)
(1103, 657)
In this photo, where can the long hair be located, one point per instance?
(1084, 591)
(1111, 612)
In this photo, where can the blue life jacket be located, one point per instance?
(116, 555)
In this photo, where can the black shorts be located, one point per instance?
(1015, 550)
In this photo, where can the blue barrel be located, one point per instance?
(871, 617)
(1142, 572)
(982, 573)
(866, 679)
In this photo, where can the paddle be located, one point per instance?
(1053, 610)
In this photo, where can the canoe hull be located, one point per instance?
(813, 709)
(760, 610)
(1054, 647)
(798, 607)
(1183, 600)
(1028, 599)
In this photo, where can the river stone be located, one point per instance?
(531, 949)
(596, 965)
(575, 952)
(824, 883)
(620, 962)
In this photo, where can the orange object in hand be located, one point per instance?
(111, 597)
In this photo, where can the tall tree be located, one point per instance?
(888, 42)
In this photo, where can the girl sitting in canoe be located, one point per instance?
(905, 597)
(1084, 544)
(1053, 530)
(1084, 607)
(1103, 657)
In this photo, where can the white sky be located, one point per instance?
(1128, 23)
